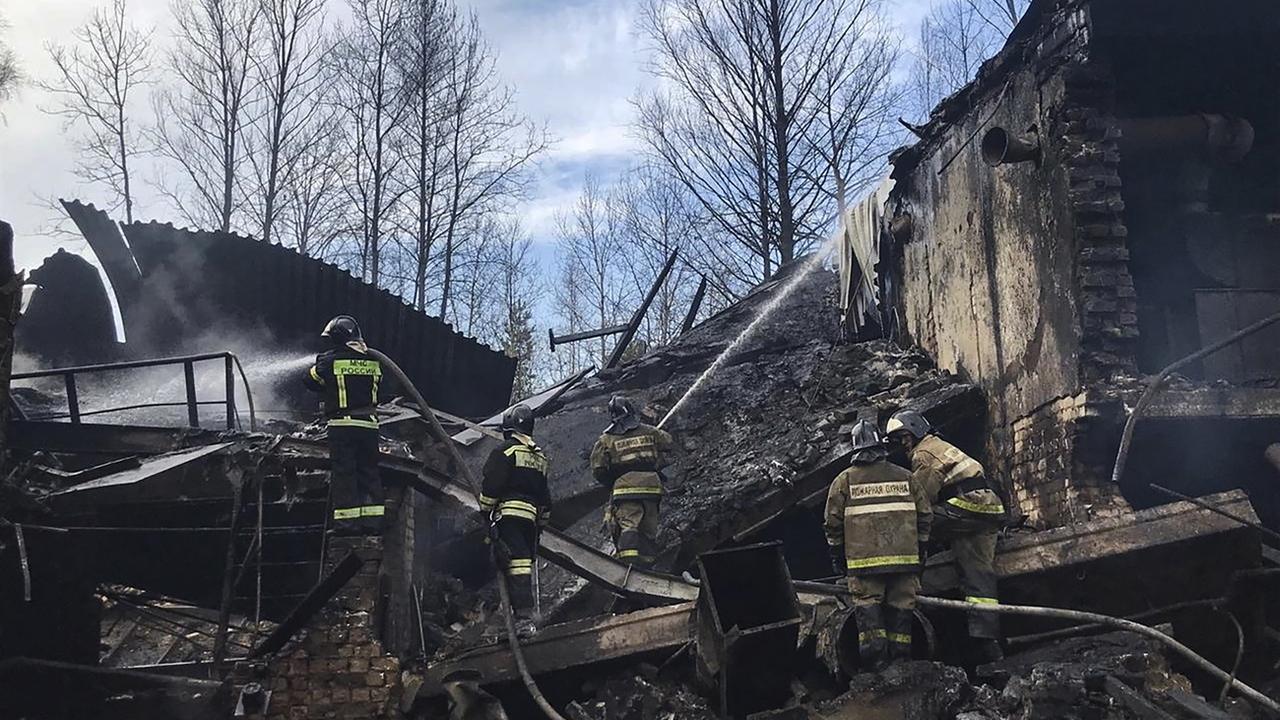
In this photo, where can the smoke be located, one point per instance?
(157, 396)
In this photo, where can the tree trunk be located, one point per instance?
(781, 123)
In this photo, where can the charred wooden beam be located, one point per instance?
(570, 645)
(310, 605)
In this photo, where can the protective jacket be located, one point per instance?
(515, 480)
(953, 481)
(880, 515)
(629, 461)
(349, 379)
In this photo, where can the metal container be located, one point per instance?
(748, 624)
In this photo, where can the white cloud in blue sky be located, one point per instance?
(575, 64)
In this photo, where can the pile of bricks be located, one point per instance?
(338, 667)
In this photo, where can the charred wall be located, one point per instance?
(1015, 275)
(1144, 229)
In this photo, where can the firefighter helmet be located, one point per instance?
(342, 330)
(621, 407)
(908, 421)
(623, 414)
(866, 436)
(518, 418)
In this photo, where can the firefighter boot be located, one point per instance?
(898, 632)
(872, 650)
(526, 625)
(987, 650)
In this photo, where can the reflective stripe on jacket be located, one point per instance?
(880, 515)
(949, 478)
(348, 379)
(629, 462)
(515, 480)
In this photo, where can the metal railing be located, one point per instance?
(192, 403)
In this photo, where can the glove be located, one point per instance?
(606, 523)
(838, 563)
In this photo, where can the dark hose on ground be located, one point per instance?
(425, 411)
(1089, 617)
(1126, 439)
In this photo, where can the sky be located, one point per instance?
(574, 63)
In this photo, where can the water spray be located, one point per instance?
(813, 262)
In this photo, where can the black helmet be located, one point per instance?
(908, 421)
(518, 418)
(623, 413)
(621, 407)
(866, 436)
(342, 330)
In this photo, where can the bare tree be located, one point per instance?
(290, 74)
(655, 218)
(593, 253)
(955, 38)
(425, 61)
(733, 127)
(313, 202)
(10, 72)
(371, 96)
(519, 291)
(1000, 15)
(92, 85)
(857, 102)
(488, 143)
(201, 123)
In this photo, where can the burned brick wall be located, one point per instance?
(1015, 275)
(340, 666)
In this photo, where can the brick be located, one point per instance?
(380, 695)
(1104, 253)
(384, 663)
(358, 665)
(341, 695)
(299, 712)
(375, 679)
(360, 694)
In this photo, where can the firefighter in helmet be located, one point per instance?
(967, 514)
(515, 495)
(348, 378)
(628, 459)
(876, 523)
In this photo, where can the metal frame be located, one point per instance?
(187, 362)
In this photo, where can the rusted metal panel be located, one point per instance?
(561, 647)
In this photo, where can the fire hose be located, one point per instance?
(438, 430)
(1229, 680)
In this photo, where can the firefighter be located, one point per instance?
(348, 377)
(877, 521)
(514, 493)
(967, 514)
(628, 458)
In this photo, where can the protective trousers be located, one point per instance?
(973, 543)
(635, 530)
(882, 606)
(519, 538)
(355, 488)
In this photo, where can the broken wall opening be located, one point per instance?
(1200, 164)
(1204, 455)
